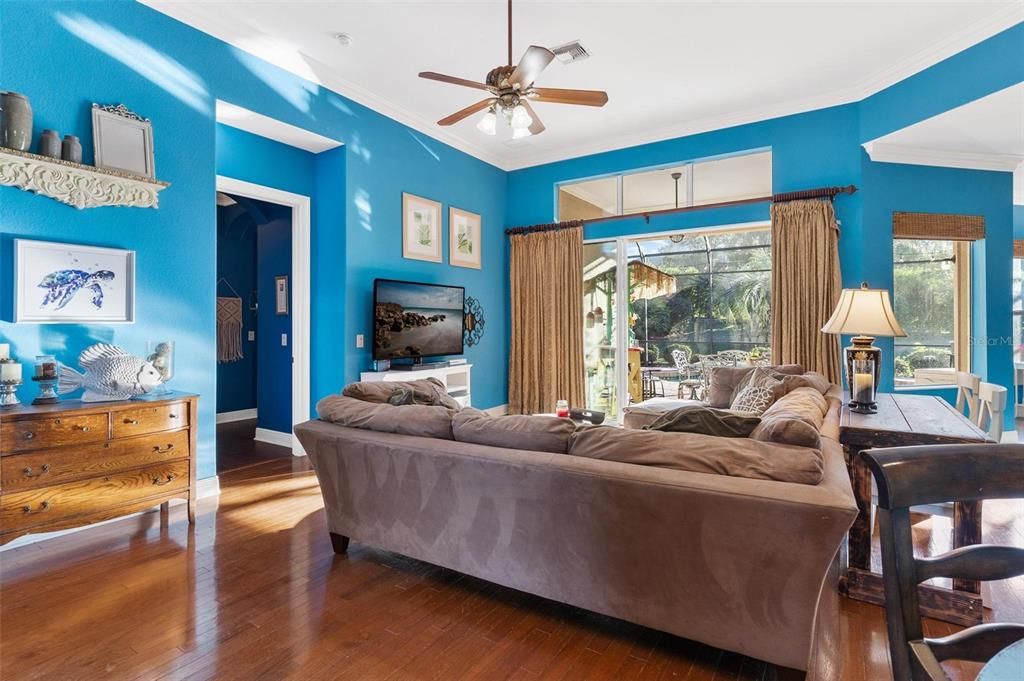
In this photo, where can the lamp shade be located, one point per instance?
(864, 311)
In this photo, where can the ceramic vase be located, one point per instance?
(15, 121)
(71, 149)
(49, 144)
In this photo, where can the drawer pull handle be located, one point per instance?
(163, 450)
(132, 422)
(157, 481)
(84, 429)
(29, 436)
(29, 474)
(45, 506)
(172, 415)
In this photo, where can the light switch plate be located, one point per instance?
(359, 340)
(284, 340)
(252, 335)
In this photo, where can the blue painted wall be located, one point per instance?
(274, 361)
(66, 55)
(236, 265)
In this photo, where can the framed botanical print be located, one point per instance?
(464, 238)
(57, 283)
(421, 228)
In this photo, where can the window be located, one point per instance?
(686, 184)
(703, 293)
(931, 299)
(1018, 303)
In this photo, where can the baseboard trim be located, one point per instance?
(274, 437)
(205, 488)
(232, 416)
(500, 410)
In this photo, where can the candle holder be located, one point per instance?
(47, 376)
(10, 379)
(862, 386)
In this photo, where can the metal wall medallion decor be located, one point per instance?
(473, 321)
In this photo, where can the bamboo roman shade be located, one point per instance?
(1018, 248)
(938, 226)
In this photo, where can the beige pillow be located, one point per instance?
(425, 391)
(535, 433)
(809, 379)
(795, 419)
(723, 382)
(413, 419)
(758, 392)
(739, 457)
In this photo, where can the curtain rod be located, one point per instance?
(817, 193)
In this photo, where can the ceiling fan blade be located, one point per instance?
(534, 60)
(430, 75)
(561, 96)
(468, 111)
(536, 127)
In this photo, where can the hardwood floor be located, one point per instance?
(236, 447)
(254, 591)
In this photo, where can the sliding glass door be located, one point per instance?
(680, 296)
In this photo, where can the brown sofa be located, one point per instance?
(737, 563)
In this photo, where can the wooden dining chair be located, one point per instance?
(967, 394)
(913, 476)
(991, 405)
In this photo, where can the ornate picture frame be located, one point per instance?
(421, 228)
(464, 238)
(58, 283)
(122, 140)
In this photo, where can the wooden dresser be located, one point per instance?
(74, 463)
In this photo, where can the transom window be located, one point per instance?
(1018, 304)
(686, 184)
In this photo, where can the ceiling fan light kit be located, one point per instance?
(511, 89)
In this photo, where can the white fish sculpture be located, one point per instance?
(110, 374)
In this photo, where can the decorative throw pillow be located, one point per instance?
(725, 382)
(705, 420)
(753, 400)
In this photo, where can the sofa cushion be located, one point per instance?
(536, 433)
(414, 419)
(794, 419)
(647, 412)
(424, 391)
(706, 420)
(809, 379)
(724, 381)
(738, 457)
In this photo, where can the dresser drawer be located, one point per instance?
(54, 466)
(149, 419)
(28, 508)
(19, 436)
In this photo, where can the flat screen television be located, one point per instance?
(413, 320)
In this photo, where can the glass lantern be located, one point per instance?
(47, 376)
(862, 387)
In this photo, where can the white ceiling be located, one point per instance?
(986, 134)
(670, 68)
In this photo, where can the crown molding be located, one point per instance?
(881, 152)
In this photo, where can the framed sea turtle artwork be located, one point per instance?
(464, 238)
(57, 283)
(421, 228)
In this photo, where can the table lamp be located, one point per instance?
(864, 313)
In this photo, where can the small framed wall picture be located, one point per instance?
(122, 140)
(281, 294)
(421, 228)
(463, 238)
(57, 283)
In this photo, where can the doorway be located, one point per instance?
(262, 322)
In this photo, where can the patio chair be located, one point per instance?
(689, 374)
(737, 357)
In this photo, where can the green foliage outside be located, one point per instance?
(923, 286)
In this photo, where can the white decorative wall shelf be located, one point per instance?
(77, 185)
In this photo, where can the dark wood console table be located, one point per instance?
(905, 420)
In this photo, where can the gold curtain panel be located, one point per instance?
(546, 354)
(1018, 248)
(938, 226)
(805, 285)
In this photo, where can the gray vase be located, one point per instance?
(71, 149)
(15, 121)
(49, 144)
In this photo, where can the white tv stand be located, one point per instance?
(455, 379)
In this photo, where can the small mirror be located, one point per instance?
(123, 140)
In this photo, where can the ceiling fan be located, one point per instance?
(512, 88)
